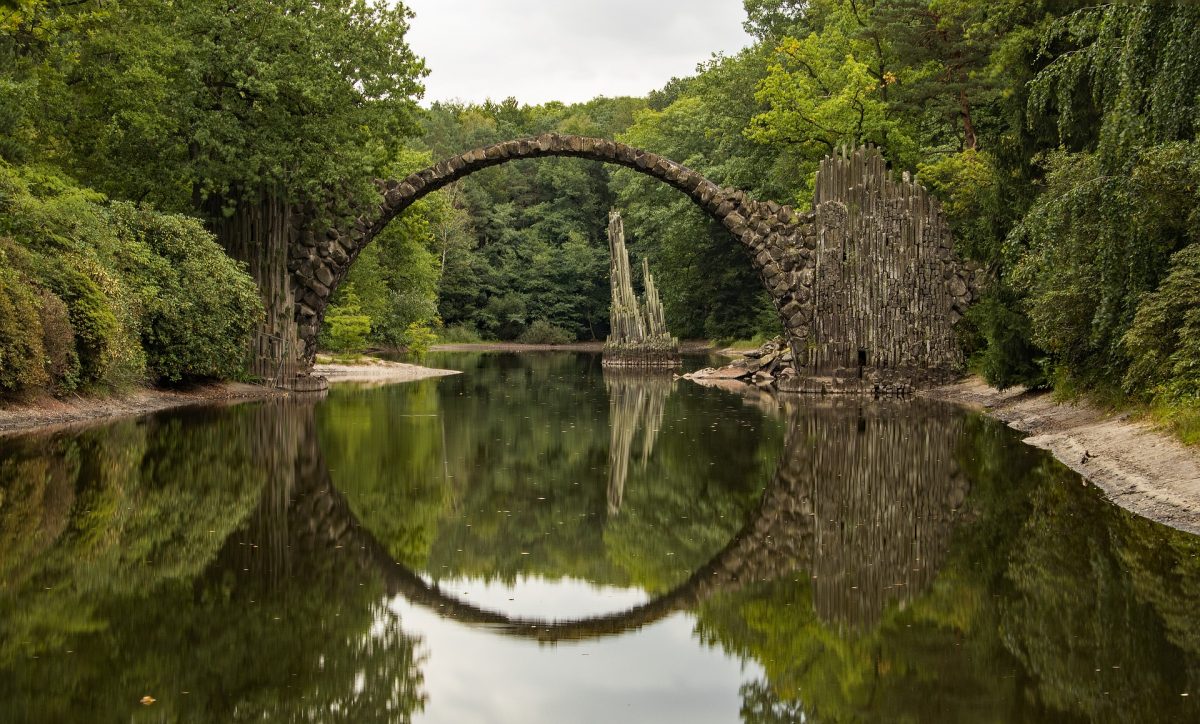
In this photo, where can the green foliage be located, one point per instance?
(21, 342)
(972, 200)
(107, 353)
(122, 292)
(1007, 357)
(1163, 342)
(459, 334)
(543, 332)
(307, 95)
(1093, 243)
(346, 327)
(418, 338)
(197, 306)
(396, 278)
(58, 339)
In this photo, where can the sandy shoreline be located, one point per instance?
(378, 371)
(1140, 468)
(44, 414)
(47, 414)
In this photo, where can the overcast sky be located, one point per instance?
(566, 50)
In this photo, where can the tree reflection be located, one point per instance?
(1049, 603)
(168, 580)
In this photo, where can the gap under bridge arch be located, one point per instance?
(779, 239)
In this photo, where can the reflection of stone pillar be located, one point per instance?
(286, 449)
(886, 491)
(636, 401)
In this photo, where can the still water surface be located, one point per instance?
(538, 541)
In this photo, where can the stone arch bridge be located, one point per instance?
(866, 280)
(780, 240)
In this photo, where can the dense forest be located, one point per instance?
(1060, 136)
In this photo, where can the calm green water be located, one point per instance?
(535, 541)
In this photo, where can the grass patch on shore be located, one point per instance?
(346, 358)
(754, 342)
(1182, 419)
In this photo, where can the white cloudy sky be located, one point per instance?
(567, 50)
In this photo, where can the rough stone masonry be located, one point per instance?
(831, 298)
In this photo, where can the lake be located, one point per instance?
(539, 540)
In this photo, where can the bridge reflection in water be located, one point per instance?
(863, 501)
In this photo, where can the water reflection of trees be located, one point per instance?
(179, 554)
(176, 572)
(1047, 602)
(503, 472)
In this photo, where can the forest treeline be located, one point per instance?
(1060, 136)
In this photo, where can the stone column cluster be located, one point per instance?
(639, 335)
(889, 288)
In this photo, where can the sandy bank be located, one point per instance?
(377, 371)
(1140, 468)
(46, 413)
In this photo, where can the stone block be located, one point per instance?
(323, 274)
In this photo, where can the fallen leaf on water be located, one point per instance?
(147, 700)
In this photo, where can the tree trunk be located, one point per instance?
(969, 139)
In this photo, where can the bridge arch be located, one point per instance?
(779, 239)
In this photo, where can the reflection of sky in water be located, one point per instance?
(658, 674)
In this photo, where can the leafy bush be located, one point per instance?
(543, 332)
(92, 319)
(460, 334)
(346, 327)
(1164, 341)
(21, 351)
(1093, 244)
(1009, 357)
(121, 291)
(58, 340)
(970, 190)
(418, 338)
(198, 306)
